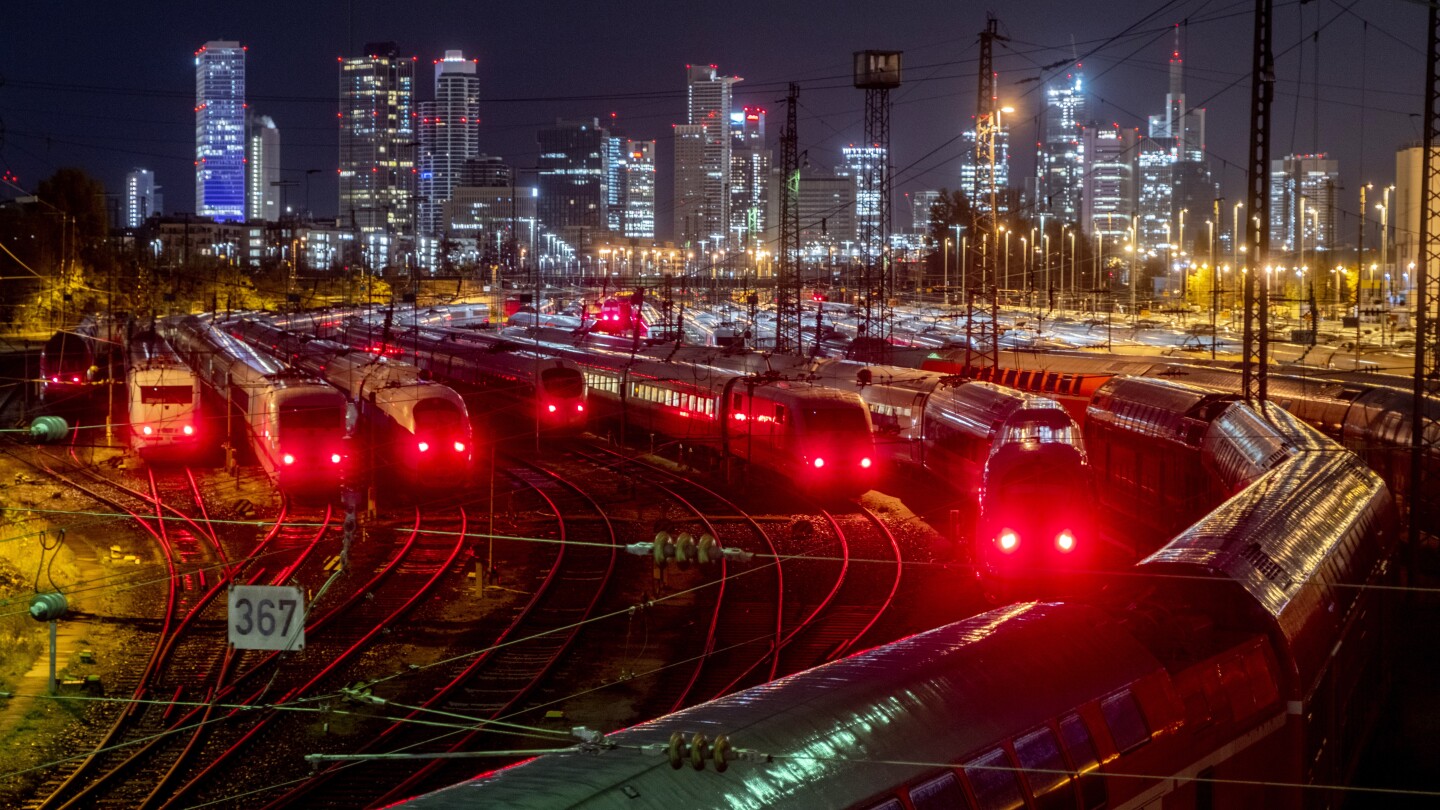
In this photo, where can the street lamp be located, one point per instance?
(1072, 268)
(946, 266)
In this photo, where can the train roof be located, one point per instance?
(1297, 543)
(845, 731)
(1158, 408)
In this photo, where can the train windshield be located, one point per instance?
(836, 420)
(299, 417)
(1041, 427)
(562, 382)
(436, 417)
(167, 394)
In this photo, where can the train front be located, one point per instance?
(835, 444)
(1035, 529)
(560, 400)
(442, 451)
(308, 441)
(164, 406)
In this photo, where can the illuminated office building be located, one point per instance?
(749, 174)
(1060, 175)
(142, 197)
(449, 135)
(377, 146)
(702, 158)
(574, 180)
(220, 131)
(1302, 203)
(263, 167)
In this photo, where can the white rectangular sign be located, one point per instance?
(267, 617)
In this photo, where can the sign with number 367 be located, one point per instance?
(267, 617)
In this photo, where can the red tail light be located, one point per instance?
(334, 458)
(424, 446)
(1065, 541)
(552, 409)
(147, 430)
(189, 430)
(1008, 541)
(579, 408)
(288, 459)
(459, 447)
(819, 462)
(865, 463)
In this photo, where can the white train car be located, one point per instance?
(418, 429)
(162, 400)
(295, 423)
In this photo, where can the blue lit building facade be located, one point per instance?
(220, 131)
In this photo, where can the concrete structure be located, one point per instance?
(265, 197)
(142, 197)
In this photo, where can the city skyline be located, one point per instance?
(1127, 81)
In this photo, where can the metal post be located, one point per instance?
(53, 631)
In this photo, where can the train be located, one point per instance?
(416, 427)
(1241, 665)
(511, 382)
(1007, 449)
(162, 400)
(1361, 412)
(67, 366)
(815, 436)
(621, 316)
(295, 423)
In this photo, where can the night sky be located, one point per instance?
(110, 86)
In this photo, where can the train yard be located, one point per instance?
(517, 536)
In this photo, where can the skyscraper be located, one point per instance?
(140, 197)
(862, 162)
(574, 182)
(377, 144)
(749, 174)
(1302, 203)
(1060, 164)
(639, 196)
(1156, 196)
(972, 172)
(1181, 129)
(263, 202)
(449, 135)
(921, 203)
(1107, 191)
(702, 158)
(220, 130)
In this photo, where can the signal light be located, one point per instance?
(459, 447)
(334, 458)
(579, 408)
(188, 430)
(147, 430)
(1008, 541)
(424, 446)
(552, 409)
(865, 463)
(1065, 541)
(819, 462)
(288, 459)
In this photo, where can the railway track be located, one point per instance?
(496, 681)
(747, 600)
(335, 641)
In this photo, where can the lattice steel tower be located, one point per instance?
(877, 73)
(789, 325)
(1424, 495)
(1257, 294)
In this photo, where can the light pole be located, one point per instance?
(1063, 229)
(1072, 269)
(1045, 256)
(946, 265)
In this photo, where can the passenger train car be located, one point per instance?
(415, 427)
(1369, 418)
(621, 316)
(67, 366)
(817, 437)
(506, 378)
(1246, 660)
(295, 423)
(162, 400)
(1008, 449)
